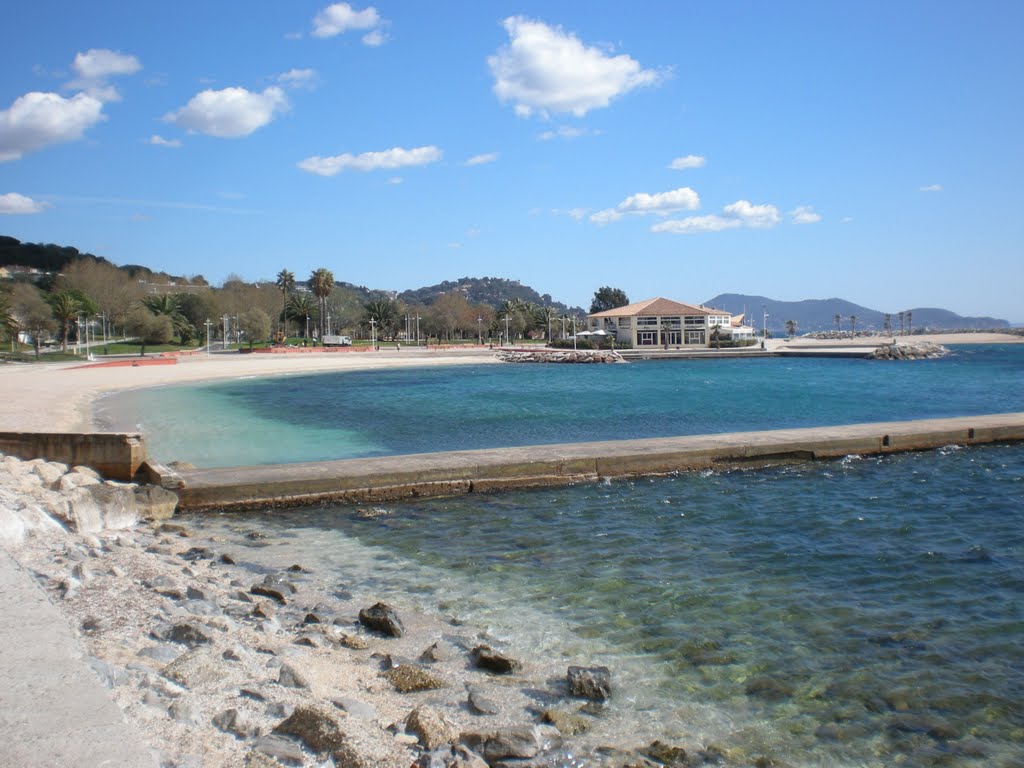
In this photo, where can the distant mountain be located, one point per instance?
(491, 291)
(819, 315)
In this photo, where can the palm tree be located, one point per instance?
(544, 316)
(300, 309)
(853, 325)
(791, 328)
(910, 322)
(66, 307)
(321, 283)
(887, 323)
(839, 324)
(286, 282)
(383, 313)
(170, 305)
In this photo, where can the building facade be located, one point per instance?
(661, 323)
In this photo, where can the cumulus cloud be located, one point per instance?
(642, 203)
(687, 162)
(298, 78)
(341, 17)
(96, 66)
(545, 70)
(229, 113)
(483, 159)
(36, 120)
(12, 203)
(160, 141)
(932, 188)
(389, 159)
(577, 214)
(742, 213)
(566, 132)
(805, 214)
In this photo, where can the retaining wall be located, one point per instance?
(115, 455)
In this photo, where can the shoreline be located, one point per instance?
(61, 397)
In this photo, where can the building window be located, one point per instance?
(695, 321)
(624, 322)
(695, 337)
(647, 322)
(646, 338)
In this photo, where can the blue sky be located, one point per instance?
(868, 150)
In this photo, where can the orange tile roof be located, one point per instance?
(658, 306)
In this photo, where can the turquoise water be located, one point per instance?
(367, 413)
(863, 612)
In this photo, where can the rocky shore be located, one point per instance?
(559, 356)
(218, 662)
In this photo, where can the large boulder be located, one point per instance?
(594, 683)
(155, 503)
(431, 728)
(382, 618)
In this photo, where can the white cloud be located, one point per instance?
(96, 66)
(483, 159)
(757, 216)
(687, 162)
(229, 113)
(395, 180)
(13, 203)
(37, 119)
(160, 141)
(341, 17)
(298, 78)
(578, 214)
(846, 219)
(932, 188)
(546, 70)
(742, 213)
(642, 203)
(805, 214)
(396, 157)
(100, 63)
(566, 132)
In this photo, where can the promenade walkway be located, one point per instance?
(54, 712)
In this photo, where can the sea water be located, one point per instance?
(370, 413)
(860, 612)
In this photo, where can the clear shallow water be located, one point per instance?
(859, 612)
(367, 413)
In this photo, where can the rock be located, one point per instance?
(382, 618)
(264, 610)
(933, 726)
(768, 688)
(493, 661)
(188, 634)
(290, 677)
(567, 723)
(195, 668)
(86, 472)
(162, 653)
(519, 742)
(83, 512)
(182, 711)
(281, 749)
(50, 473)
(672, 757)
(155, 503)
(108, 674)
(75, 479)
(594, 683)
(194, 554)
(316, 727)
(235, 722)
(481, 704)
(456, 756)
(275, 587)
(430, 728)
(354, 642)
(117, 503)
(439, 651)
(407, 679)
(359, 710)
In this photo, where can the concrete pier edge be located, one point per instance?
(395, 478)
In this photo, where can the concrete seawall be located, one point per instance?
(392, 478)
(116, 455)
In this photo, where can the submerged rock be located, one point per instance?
(493, 661)
(594, 683)
(408, 679)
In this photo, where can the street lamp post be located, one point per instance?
(373, 334)
(224, 342)
(417, 330)
(306, 337)
(764, 327)
(508, 339)
(574, 333)
(479, 330)
(208, 324)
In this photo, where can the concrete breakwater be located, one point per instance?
(559, 356)
(391, 478)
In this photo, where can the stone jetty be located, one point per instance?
(559, 356)
(921, 350)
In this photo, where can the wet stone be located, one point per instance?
(481, 704)
(485, 657)
(593, 683)
(408, 679)
(382, 618)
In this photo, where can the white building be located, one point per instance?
(663, 323)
